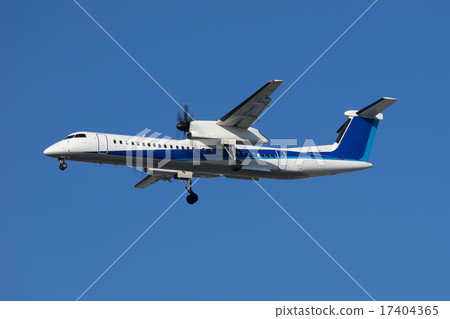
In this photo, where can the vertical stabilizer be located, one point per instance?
(356, 135)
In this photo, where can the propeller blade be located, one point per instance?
(179, 117)
(186, 112)
(184, 120)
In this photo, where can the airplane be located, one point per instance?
(228, 147)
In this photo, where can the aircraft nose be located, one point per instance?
(50, 151)
(47, 151)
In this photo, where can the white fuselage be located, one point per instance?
(202, 157)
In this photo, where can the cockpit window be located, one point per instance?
(70, 136)
(80, 135)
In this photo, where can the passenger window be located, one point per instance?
(120, 141)
(188, 148)
(132, 143)
(159, 145)
(171, 146)
(165, 145)
(148, 144)
(177, 147)
(114, 141)
(137, 143)
(182, 147)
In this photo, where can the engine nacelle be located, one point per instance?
(210, 130)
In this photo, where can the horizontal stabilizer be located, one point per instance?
(376, 108)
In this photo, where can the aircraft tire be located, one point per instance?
(192, 198)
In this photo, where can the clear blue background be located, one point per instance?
(388, 226)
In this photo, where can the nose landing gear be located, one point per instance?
(192, 198)
(62, 164)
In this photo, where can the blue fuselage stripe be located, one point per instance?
(188, 155)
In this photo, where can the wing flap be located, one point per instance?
(155, 177)
(157, 174)
(246, 113)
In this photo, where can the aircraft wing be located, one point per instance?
(154, 177)
(246, 113)
(157, 174)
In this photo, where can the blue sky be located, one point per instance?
(388, 226)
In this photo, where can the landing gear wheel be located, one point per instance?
(236, 166)
(62, 166)
(192, 198)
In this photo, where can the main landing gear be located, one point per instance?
(62, 164)
(237, 165)
(192, 198)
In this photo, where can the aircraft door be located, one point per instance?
(102, 142)
(282, 159)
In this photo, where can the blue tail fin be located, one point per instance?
(355, 140)
(356, 136)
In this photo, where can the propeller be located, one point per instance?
(184, 119)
